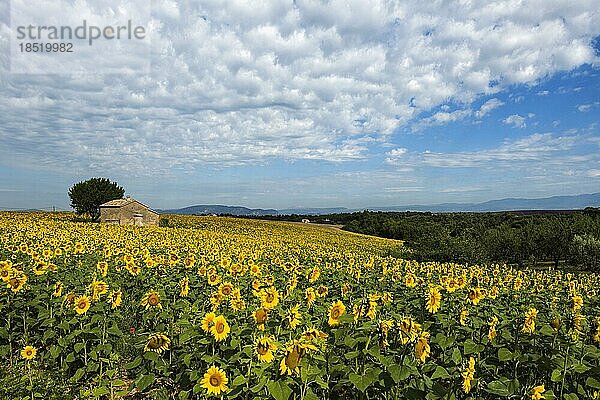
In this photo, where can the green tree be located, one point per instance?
(86, 196)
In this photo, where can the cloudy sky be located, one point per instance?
(317, 104)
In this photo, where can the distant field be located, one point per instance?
(239, 308)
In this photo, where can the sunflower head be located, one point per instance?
(58, 288)
(264, 348)
(28, 352)
(270, 298)
(260, 316)
(225, 289)
(207, 321)
(290, 363)
(336, 310)
(151, 299)
(157, 343)
(82, 304)
(220, 328)
(214, 381)
(115, 298)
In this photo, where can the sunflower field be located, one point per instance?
(242, 309)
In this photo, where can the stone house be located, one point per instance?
(128, 211)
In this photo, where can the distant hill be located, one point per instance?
(219, 209)
(510, 204)
(314, 211)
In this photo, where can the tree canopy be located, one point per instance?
(86, 196)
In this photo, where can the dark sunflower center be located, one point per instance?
(335, 313)
(220, 327)
(293, 358)
(261, 317)
(262, 349)
(270, 297)
(153, 300)
(215, 381)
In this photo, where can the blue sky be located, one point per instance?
(320, 104)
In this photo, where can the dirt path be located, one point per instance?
(332, 227)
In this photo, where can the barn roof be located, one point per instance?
(117, 202)
(123, 202)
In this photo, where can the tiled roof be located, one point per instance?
(124, 202)
(117, 202)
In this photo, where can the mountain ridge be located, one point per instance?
(563, 202)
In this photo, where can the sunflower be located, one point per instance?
(322, 291)
(225, 262)
(40, 268)
(372, 310)
(157, 343)
(358, 311)
(294, 317)
(189, 262)
(492, 330)
(70, 298)
(311, 296)
(151, 299)
(16, 280)
(576, 303)
(102, 267)
(294, 352)
(237, 304)
(536, 392)
(98, 288)
(468, 374)
(476, 295)
(28, 352)
(225, 289)
(314, 334)
(596, 337)
(387, 297)
(264, 348)
(78, 248)
(184, 287)
(463, 316)
(433, 300)
(336, 310)
(529, 324)
(220, 328)
(344, 289)
(214, 381)
(385, 326)
(269, 298)
(260, 316)
(115, 298)
(207, 321)
(82, 304)
(214, 279)
(58, 288)
(314, 274)
(254, 270)
(5, 271)
(422, 349)
(410, 281)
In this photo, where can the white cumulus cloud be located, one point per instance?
(236, 83)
